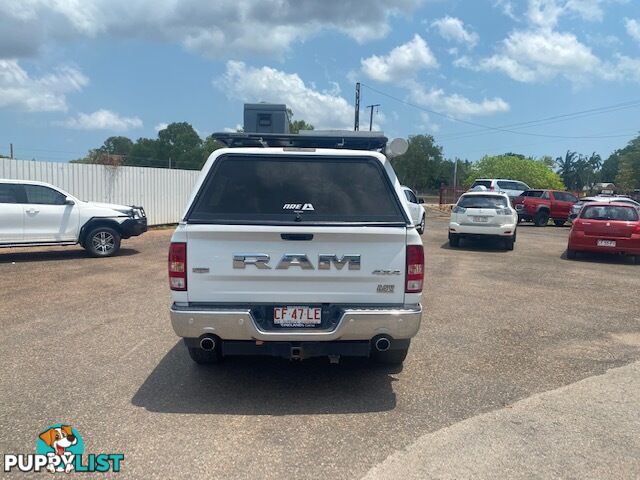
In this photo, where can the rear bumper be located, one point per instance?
(354, 324)
(505, 230)
(583, 243)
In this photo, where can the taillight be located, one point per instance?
(178, 266)
(415, 269)
(577, 225)
(636, 229)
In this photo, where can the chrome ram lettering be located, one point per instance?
(261, 261)
(325, 261)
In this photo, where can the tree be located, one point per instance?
(528, 170)
(421, 166)
(566, 168)
(628, 177)
(296, 125)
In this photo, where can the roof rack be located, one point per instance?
(313, 139)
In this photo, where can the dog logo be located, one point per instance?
(60, 448)
(61, 441)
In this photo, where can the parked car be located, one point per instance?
(575, 209)
(539, 206)
(481, 214)
(606, 228)
(512, 188)
(418, 215)
(37, 214)
(306, 250)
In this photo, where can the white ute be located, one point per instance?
(296, 251)
(38, 214)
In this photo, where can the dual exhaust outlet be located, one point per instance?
(381, 344)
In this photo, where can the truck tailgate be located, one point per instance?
(213, 278)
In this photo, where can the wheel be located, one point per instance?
(636, 259)
(559, 222)
(541, 219)
(508, 243)
(102, 242)
(390, 357)
(571, 254)
(420, 227)
(454, 240)
(204, 357)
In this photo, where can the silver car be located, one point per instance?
(575, 209)
(512, 188)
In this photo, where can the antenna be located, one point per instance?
(356, 123)
(371, 115)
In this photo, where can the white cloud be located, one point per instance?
(323, 109)
(531, 56)
(455, 104)
(427, 125)
(160, 126)
(38, 94)
(401, 63)
(633, 28)
(213, 29)
(547, 13)
(101, 120)
(451, 28)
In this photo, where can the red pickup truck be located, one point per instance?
(539, 206)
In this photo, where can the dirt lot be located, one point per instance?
(88, 342)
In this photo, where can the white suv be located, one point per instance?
(416, 209)
(512, 188)
(297, 252)
(37, 214)
(482, 214)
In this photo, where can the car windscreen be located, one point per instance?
(609, 212)
(482, 201)
(292, 189)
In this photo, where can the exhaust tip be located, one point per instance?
(382, 344)
(207, 344)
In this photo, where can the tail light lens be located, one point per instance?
(457, 209)
(577, 225)
(415, 269)
(178, 266)
(636, 229)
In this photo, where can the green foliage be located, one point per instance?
(296, 125)
(423, 168)
(534, 173)
(628, 177)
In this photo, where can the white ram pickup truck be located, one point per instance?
(296, 252)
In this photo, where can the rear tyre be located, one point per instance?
(102, 242)
(541, 219)
(571, 254)
(559, 222)
(390, 357)
(509, 242)
(454, 240)
(204, 357)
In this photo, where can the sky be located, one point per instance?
(537, 77)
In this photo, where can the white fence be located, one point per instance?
(162, 192)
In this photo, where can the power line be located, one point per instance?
(486, 127)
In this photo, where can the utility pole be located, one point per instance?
(455, 174)
(371, 114)
(356, 122)
(11, 151)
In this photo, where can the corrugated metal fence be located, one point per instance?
(162, 192)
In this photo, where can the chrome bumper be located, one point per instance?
(354, 324)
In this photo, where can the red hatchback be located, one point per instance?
(606, 228)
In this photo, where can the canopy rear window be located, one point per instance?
(296, 189)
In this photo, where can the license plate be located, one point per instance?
(296, 316)
(480, 219)
(606, 243)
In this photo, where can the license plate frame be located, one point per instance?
(606, 243)
(297, 316)
(479, 219)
